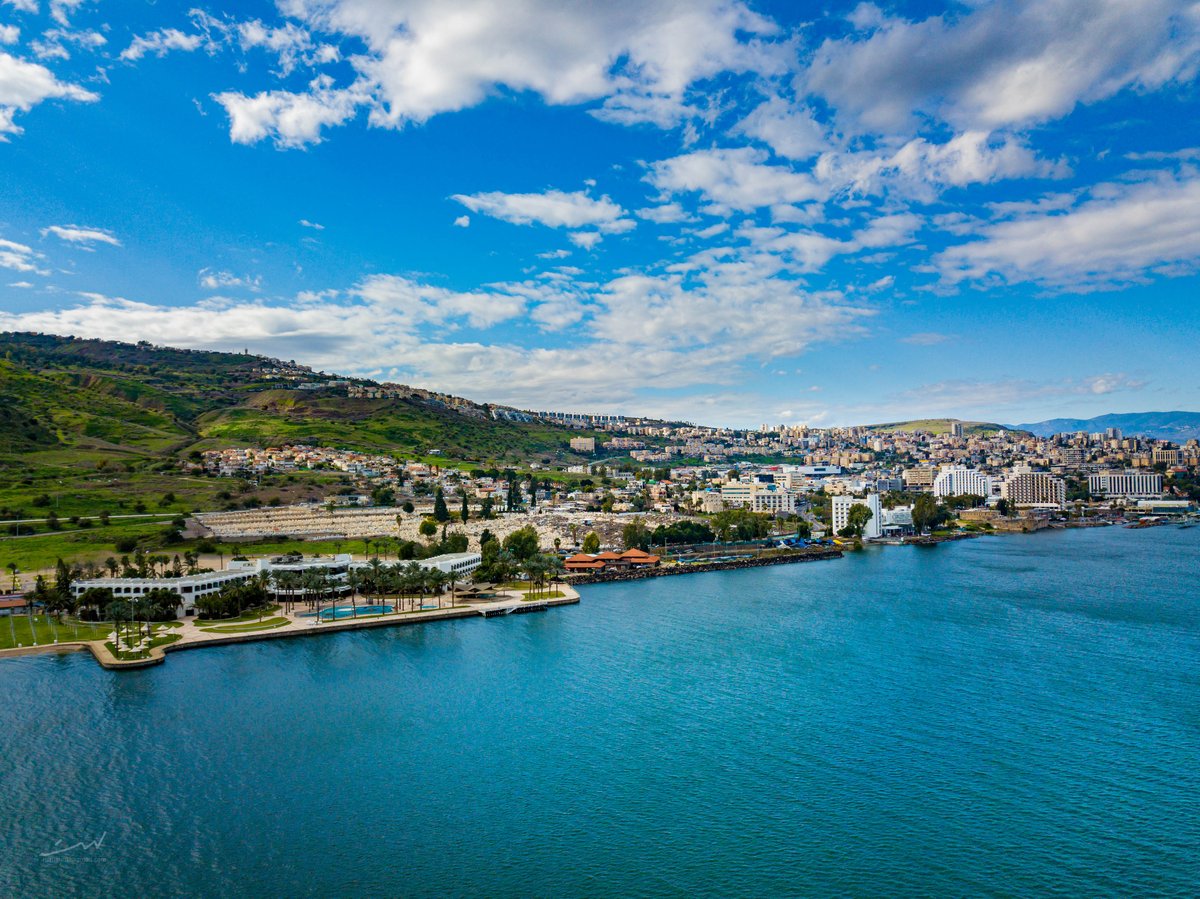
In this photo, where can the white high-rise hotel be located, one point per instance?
(954, 480)
(841, 514)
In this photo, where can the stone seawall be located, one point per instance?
(637, 574)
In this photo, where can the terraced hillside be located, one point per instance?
(97, 424)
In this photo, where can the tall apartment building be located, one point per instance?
(1125, 483)
(1034, 488)
(841, 513)
(957, 479)
(583, 444)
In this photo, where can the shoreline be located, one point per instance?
(192, 637)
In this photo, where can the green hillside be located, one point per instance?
(103, 425)
(940, 426)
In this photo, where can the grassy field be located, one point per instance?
(17, 630)
(265, 625)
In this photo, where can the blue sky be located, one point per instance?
(718, 211)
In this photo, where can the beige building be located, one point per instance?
(1034, 488)
(919, 477)
(583, 444)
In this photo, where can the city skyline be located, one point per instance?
(710, 211)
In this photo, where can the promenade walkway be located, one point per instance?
(301, 625)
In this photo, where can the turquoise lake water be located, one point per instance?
(1003, 716)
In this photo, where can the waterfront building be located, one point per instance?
(954, 480)
(841, 514)
(191, 587)
(1034, 488)
(584, 563)
(1125, 483)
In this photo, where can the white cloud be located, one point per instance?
(19, 257)
(289, 118)
(790, 131)
(665, 214)
(463, 221)
(1117, 234)
(24, 84)
(9, 34)
(60, 10)
(553, 208)
(23, 5)
(920, 168)
(84, 236)
(289, 42)
(162, 42)
(305, 223)
(221, 280)
(24, 285)
(734, 179)
(1003, 64)
(641, 56)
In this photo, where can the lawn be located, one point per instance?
(15, 630)
(531, 595)
(237, 619)
(89, 545)
(265, 625)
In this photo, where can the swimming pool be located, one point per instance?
(338, 612)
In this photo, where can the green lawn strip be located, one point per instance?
(15, 631)
(531, 595)
(265, 625)
(239, 619)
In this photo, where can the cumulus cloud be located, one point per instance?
(640, 56)
(9, 34)
(463, 221)
(83, 236)
(1115, 234)
(291, 119)
(23, 85)
(737, 178)
(1001, 64)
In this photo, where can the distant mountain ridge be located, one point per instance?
(1177, 426)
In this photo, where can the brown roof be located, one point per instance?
(636, 553)
(609, 555)
(580, 557)
(587, 563)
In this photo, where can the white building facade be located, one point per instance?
(1125, 483)
(841, 514)
(956, 480)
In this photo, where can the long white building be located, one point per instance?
(841, 514)
(954, 480)
(191, 587)
(1126, 483)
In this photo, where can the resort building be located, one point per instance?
(191, 587)
(841, 514)
(955, 480)
(583, 563)
(1034, 488)
(1125, 483)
